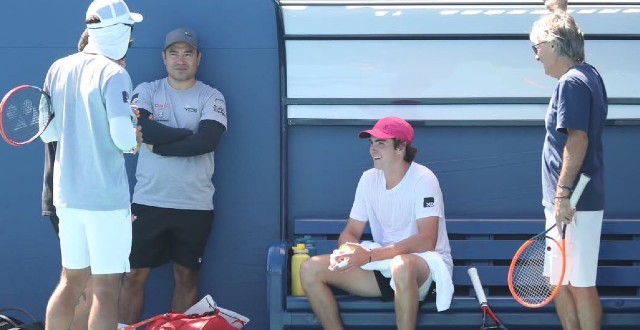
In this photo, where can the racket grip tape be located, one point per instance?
(477, 286)
(577, 191)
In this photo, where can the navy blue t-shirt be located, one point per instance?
(579, 102)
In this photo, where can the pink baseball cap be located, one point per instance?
(390, 128)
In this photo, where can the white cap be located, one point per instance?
(111, 12)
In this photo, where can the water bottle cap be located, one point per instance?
(299, 248)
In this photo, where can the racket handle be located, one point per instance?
(477, 286)
(577, 191)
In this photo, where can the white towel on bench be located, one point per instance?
(440, 273)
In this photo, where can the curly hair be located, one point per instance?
(409, 150)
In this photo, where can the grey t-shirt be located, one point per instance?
(177, 182)
(87, 91)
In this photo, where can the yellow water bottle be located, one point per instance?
(300, 254)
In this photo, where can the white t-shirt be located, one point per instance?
(392, 213)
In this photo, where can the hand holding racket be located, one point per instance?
(25, 113)
(482, 299)
(528, 281)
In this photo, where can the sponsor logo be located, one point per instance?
(191, 109)
(220, 107)
(125, 97)
(161, 106)
(160, 116)
(428, 202)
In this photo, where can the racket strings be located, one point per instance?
(25, 114)
(530, 282)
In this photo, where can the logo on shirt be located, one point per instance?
(161, 106)
(125, 97)
(428, 202)
(189, 108)
(220, 107)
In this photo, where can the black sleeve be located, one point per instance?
(47, 182)
(205, 141)
(156, 133)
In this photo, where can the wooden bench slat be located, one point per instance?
(460, 304)
(479, 250)
(505, 249)
(612, 276)
(471, 226)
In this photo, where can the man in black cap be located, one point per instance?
(182, 121)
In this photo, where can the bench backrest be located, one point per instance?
(489, 246)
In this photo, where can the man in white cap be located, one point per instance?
(83, 307)
(173, 196)
(90, 95)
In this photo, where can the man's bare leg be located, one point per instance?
(314, 283)
(104, 307)
(409, 272)
(185, 293)
(566, 309)
(83, 308)
(131, 302)
(588, 307)
(317, 281)
(63, 301)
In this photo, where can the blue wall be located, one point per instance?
(240, 58)
(484, 172)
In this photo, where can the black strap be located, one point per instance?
(18, 324)
(8, 320)
(18, 309)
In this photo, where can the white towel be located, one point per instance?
(440, 273)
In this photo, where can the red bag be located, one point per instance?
(174, 321)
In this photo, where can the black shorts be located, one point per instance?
(384, 284)
(161, 235)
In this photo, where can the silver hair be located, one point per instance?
(561, 29)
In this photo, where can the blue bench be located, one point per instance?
(487, 245)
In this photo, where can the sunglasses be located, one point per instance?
(102, 27)
(535, 47)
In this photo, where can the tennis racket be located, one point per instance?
(528, 282)
(25, 112)
(482, 299)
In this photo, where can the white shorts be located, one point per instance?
(97, 239)
(582, 239)
(424, 289)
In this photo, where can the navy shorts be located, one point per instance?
(161, 235)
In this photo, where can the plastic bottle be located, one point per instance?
(311, 249)
(309, 244)
(300, 254)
